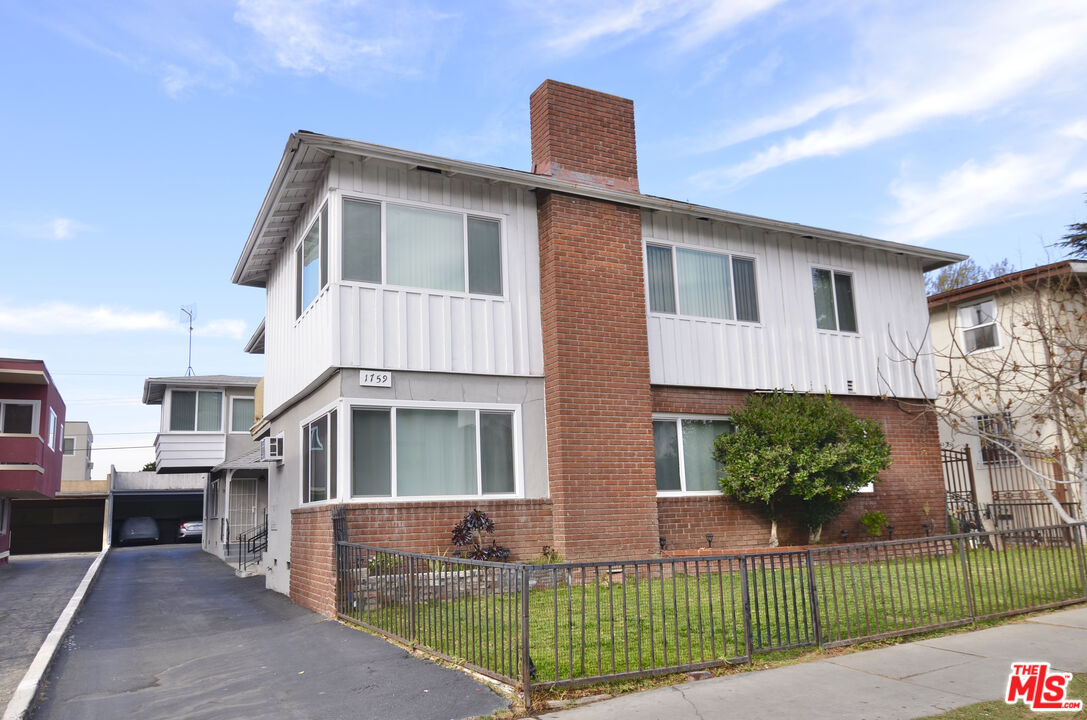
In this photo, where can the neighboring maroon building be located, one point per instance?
(31, 438)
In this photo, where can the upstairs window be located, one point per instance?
(319, 459)
(51, 441)
(421, 247)
(701, 284)
(18, 416)
(683, 453)
(241, 414)
(978, 323)
(834, 307)
(196, 411)
(311, 257)
(69, 446)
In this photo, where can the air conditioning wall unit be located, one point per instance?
(271, 449)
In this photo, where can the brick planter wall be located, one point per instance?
(914, 481)
(524, 526)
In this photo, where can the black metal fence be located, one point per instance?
(568, 624)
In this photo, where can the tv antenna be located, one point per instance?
(189, 312)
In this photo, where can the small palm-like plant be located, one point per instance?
(469, 533)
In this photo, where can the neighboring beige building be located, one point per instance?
(989, 341)
(75, 474)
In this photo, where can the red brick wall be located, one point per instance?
(584, 136)
(913, 483)
(524, 526)
(313, 559)
(596, 370)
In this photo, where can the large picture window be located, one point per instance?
(311, 258)
(418, 452)
(19, 416)
(834, 306)
(421, 247)
(978, 323)
(701, 284)
(683, 453)
(319, 459)
(196, 411)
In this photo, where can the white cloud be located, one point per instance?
(790, 117)
(1077, 129)
(63, 228)
(328, 36)
(573, 26)
(976, 192)
(922, 69)
(60, 318)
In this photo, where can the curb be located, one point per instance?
(23, 697)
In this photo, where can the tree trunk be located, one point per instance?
(774, 533)
(815, 535)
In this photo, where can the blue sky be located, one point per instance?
(141, 138)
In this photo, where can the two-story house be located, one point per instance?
(1010, 354)
(31, 432)
(204, 435)
(553, 347)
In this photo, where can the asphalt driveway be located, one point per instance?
(169, 632)
(34, 589)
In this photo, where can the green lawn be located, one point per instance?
(638, 620)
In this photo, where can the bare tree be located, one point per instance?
(1012, 373)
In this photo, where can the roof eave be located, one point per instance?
(931, 259)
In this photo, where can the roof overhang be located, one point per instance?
(255, 345)
(1010, 281)
(306, 157)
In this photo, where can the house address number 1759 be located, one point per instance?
(375, 378)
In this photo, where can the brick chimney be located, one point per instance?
(596, 352)
(584, 136)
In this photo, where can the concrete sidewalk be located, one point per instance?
(913, 680)
(33, 591)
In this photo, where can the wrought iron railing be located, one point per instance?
(252, 544)
(565, 624)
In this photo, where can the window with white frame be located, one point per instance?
(196, 411)
(834, 305)
(69, 446)
(700, 283)
(19, 416)
(311, 260)
(683, 453)
(319, 459)
(417, 452)
(978, 324)
(213, 499)
(241, 414)
(421, 247)
(51, 441)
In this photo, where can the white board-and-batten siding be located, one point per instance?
(354, 324)
(785, 349)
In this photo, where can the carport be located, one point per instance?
(168, 508)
